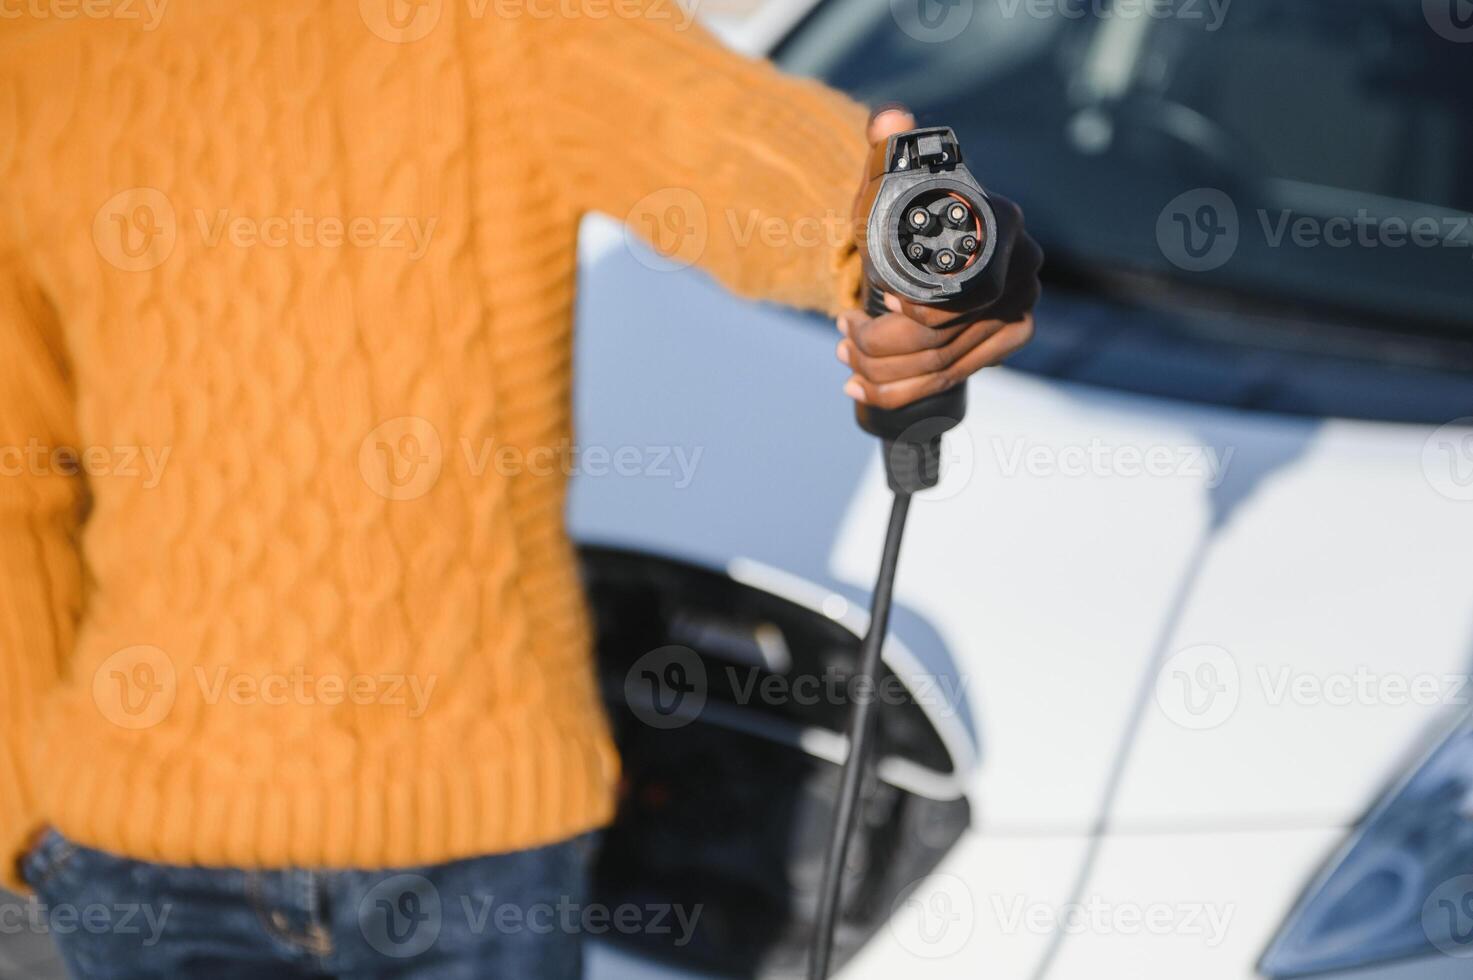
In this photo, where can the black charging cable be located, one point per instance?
(861, 726)
(935, 237)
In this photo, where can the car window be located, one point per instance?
(1337, 172)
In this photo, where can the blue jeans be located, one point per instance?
(512, 915)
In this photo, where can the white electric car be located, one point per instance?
(1187, 628)
(1179, 675)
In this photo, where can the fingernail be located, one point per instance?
(854, 390)
(885, 107)
(842, 351)
(843, 324)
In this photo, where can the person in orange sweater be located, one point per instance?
(273, 673)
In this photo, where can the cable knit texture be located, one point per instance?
(278, 280)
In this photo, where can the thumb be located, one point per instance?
(888, 120)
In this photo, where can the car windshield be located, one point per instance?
(1336, 174)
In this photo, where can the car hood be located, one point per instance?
(1155, 614)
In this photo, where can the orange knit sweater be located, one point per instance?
(273, 277)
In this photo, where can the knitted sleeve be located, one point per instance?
(41, 500)
(716, 159)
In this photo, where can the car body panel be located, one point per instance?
(1056, 596)
(1073, 588)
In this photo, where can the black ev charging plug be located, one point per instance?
(931, 236)
(935, 237)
